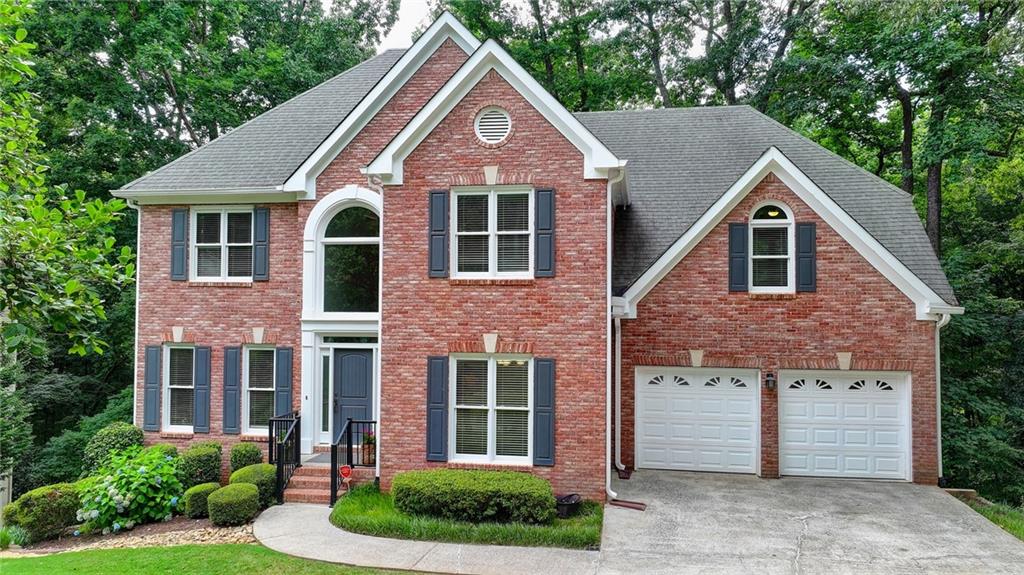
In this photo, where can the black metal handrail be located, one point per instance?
(360, 439)
(283, 448)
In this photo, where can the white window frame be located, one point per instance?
(492, 410)
(321, 255)
(492, 232)
(166, 390)
(194, 246)
(246, 427)
(790, 257)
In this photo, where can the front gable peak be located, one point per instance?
(490, 56)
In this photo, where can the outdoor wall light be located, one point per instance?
(769, 380)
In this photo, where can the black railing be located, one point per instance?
(284, 448)
(360, 441)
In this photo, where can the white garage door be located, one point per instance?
(697, 419)
(844, 424)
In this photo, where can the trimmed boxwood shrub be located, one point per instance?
(195, 499)
(199, 464)
(244, 455)
(165, 449)
(210, 443)
(476, 496)
(233, 504)
(45, 511)
(263, 476)
(117, 436)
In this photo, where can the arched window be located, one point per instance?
(351, 261)
(771, 249)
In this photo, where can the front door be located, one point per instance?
(353, 387)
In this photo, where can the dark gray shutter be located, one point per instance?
(437, 408)
(151, 389)
(232, 390)
(201, 405)
(283, 382)
(179, 244)
(543, 411)
(544, 234)
(261, 244)
(806, 257)
(737, 257)
(438, 266)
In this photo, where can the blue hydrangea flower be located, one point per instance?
(142, 469)
(77, 533)
(168, 458)
(174, 501)
(158, 479)
(117, 527)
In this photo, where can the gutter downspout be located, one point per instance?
(609, 208)
(938, 388)
(618, 395)
(134, 204)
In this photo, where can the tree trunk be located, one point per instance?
(577, 51)
(907, 145)
(542, 35)
(654, 44)
(934, 216)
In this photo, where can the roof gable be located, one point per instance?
(388, 165)
(774, 161)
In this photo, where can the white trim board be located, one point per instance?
(928, 304)
(303, 179)
(388, 165)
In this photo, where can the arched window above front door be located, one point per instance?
(350, 262)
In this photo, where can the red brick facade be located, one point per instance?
(854, 309)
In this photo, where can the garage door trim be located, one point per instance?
(902, 378)
(642, 374)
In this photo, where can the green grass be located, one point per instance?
(192, 559)
(1011, 519)
(368, 511)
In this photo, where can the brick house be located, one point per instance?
(430, 241)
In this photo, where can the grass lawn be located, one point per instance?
(366, 510)
(192, 559)
(1011, 519)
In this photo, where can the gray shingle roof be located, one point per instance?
(682, 160)
(264, 151)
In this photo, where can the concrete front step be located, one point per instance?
(294, 495)
(310, 482)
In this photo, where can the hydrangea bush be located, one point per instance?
(135, 486)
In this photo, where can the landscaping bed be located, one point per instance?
(367, 511)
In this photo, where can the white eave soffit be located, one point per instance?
(303, 180)
(388, 165)
(928, 303)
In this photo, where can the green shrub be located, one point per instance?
(165, 449)
(117, 436)
(234, 504)
(210, 443)
(5, 539)
(45, 511)
(135, 486)
(195, 499)
(476, 496)
(199, 464)
(244, 455)
(263, 476)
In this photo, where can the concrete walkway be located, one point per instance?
(304, 531)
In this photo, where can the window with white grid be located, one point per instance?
(491, 398)
(493, 233)
(771, 249)
(222, 244)
(258, 378)
(179, 388)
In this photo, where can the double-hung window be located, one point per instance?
(258, 378)
(771, 250)
(222, 244)
(493, 233)
(491, 398)
(179, 388)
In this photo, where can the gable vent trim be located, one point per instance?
(493, 125)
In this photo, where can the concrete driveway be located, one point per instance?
(718, 523)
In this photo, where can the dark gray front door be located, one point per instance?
(353, 387)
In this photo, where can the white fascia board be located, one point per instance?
(446, 27)
(215, 196)
(597, 158)
(926, 301)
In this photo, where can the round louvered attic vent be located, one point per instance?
(493, 125)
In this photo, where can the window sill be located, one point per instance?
(489, 465)
(176, 435)
(254, 438)
(492, 281)
(202, 284)
(772, 296)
